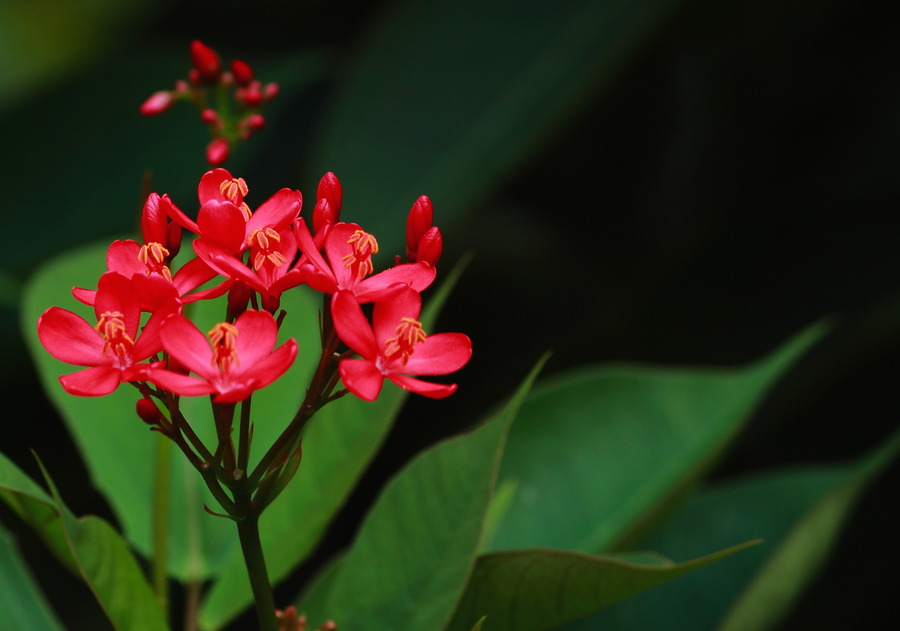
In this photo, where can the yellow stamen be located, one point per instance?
(408, 333)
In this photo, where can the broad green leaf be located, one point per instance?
(802, 553)
(533, 590)
(22, 604)
(97, 551)
(413, 554)
(448, 98)
(598, 454)
(338, 444)
(793, 510)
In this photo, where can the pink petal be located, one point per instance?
(352, 326)
(404, 302)
(188, 346)
(92, 382)
(122, 257)
(179, 384)
(425, 388)
(279, 211)
(71, 339)
(417, 275)
(257, 334)
(223, 224)
(116, 293)
(439, 354)
(361, 377)
(263, 372)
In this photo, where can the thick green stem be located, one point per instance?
(248, 531)
(161, 490)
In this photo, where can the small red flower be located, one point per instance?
(395, 346)
(236, 360)
(111, 348)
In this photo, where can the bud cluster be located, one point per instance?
(228, 100)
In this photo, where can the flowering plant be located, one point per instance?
(269, 352)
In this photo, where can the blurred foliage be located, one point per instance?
(676, 182)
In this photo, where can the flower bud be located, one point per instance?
(419, 221)
(148, 412)
(158, 103)
(323, 215)
(206, 62)
(251, 95)
(211, 118)
(270, 91)
(330, 189)
(217, 152)
(238, 297)
(430, 247)
(243, 73)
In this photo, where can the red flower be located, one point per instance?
(349, 251)
(111, 348)
(236, 360)
(395, 346)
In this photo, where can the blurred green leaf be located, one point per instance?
(97, 551)
(599, 453)
(22, 604)
(449, 98)
(533, 590)
(802, 553)
(412, 556)
(338, 444)
(40, 40)
(796, 511)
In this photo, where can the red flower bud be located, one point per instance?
(217, 152)
(157, 103)
(148, 412)
(243, 73)
(255, 122)
(251, 95)
(419, 221)
(431, 246)
(211, 118)
(270, 91)
(206, 61)
(330, 189)
(323, 215)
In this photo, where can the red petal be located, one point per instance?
(223, 224)
(425, 388)
(403, 302)
(352, 326)
(188, 346)
(92, 382)
(257, 334)
(178, 383)
(417, 275)
(210, 187)
(279, 211)
(361, 378)
(70, 338)
(439, 354)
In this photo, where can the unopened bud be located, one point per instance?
(430, 247)
(419, 221)
(157, 103)
(217, 152)
(148, 412)
(206, 62)
(330, 189)
(238, 297)
(251, 95)
(323, 216)
(270, 91)
(243, 73)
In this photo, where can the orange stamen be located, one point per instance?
(116, 341)
(408, 333)
(261, 240)
(360, 259)
(234, 190)
(223, 339)
(154, 256)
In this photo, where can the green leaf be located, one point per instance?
(793, 510)
(802, 553)
(415, 550)
(600, 453)
(449, 98)
(338, 444)
(93, 547)
(22, 604)
(532, 590)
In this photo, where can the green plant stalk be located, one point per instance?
(248, 532)
(162, 460)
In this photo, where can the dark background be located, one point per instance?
(733, 181)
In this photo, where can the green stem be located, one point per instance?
(248, 532)
(161, 489)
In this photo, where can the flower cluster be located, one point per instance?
(228, 101)
(141, 335)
